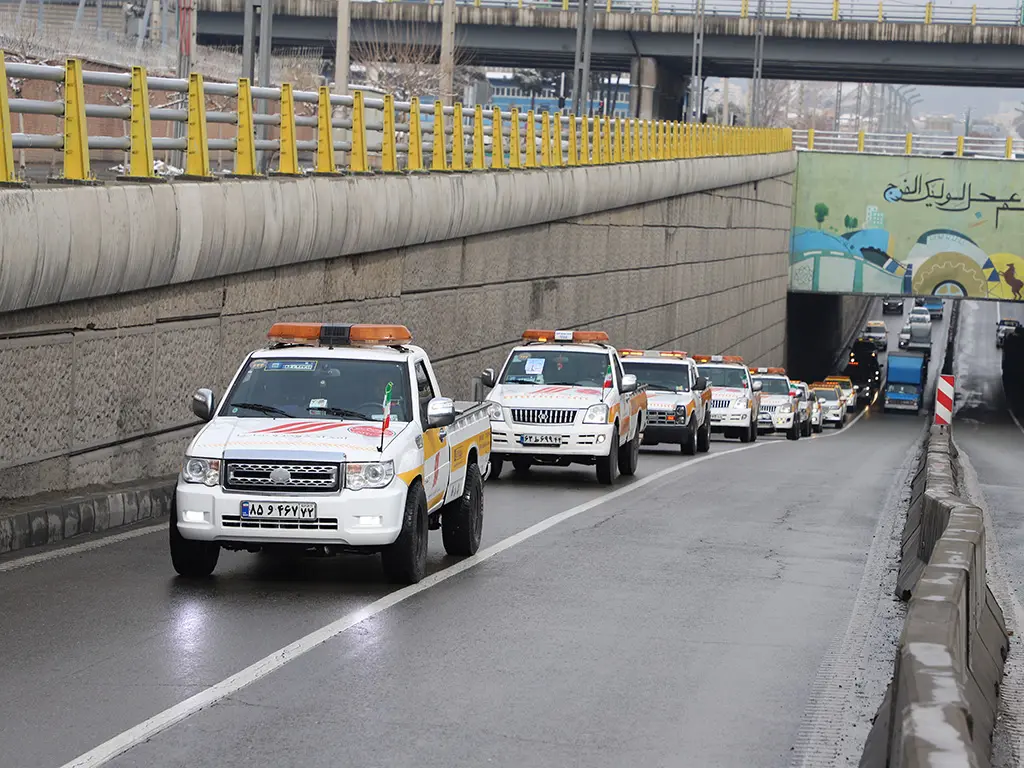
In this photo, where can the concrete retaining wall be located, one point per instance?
(101, 386)
(942, 703)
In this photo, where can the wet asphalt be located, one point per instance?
(679, 624)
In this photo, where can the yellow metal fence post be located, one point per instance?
(545, 140)
(438, 155)
(959, 146)
(531, 140)
(810, 138)
(860, 141)
(743, 9)
(414, 157)
(197, 153)
(458, 140)
(497, 141)
(389, 148)
(76, 136)
(358, 162)
(288, 159)
(585, 140)
(7, 174)
(789, 9)
(556, 130)
(140, 163)
(927, 13)
(325, 162)
(835, 10)
(515, 160)
(908, 147)
(617, 141)
(574, 151)
(1009, 147)
(245, 137)
(607, 139)
(478, 138)
(974, 15)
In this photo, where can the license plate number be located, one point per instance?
(541, 439)
(278, 510)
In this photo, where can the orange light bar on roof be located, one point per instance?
(718, 359)
(631, 353)
(672, 353)
(339, 335)
(295, 333)
(575, 337)
(376, 335)
(773, 371)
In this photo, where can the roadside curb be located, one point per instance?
(66, 518)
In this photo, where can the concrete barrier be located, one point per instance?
(941, 705)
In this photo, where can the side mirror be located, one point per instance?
(821, 400)
(204, 404)
(489, 377)
(440, 412)
(756, 386)
(702, 383)
(628, 382)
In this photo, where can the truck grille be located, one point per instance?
(720, 403)
(543, 416)
(768, 408)
(661, 418)
(323, 524)
(278, 476)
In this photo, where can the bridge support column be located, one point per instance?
(655, 92)
(448, 16)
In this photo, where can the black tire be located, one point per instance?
(405, 561)
(793, 433)
(689, 444)
(191, 559)
(805, 428)
(839, 424)
(704, 437)
(753, 429)
(462, 521)
(496, 466)
(522, 464)
(749, 435)
(629, 454)
(818, 428)
(608, 466)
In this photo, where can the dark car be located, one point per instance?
(892, 305)
(864, 370)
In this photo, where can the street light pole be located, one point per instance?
(756, 95)
(693, 107)
(581, 68)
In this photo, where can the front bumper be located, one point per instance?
(902, 405)
(833, 417)
(727, 418)
(337, 516)
(776, 422)
(816, 418)
(574, 439)
(666, 433)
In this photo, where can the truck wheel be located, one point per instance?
(522, 464)
(704, 437)
(629, 454)
(191, 559)
(462, 520)
(748, 434)
(496, 465)
(818, 428)
(689, 444)
(839, 424)
(608, 466)
(405, 561)
(793, 433)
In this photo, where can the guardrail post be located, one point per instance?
(881, 13)
(389, 144)
(585, 140)
(497, 141)
(654, 6)
(574, 150)
(565, 4)
(789, 9)
(458, 140)
(959, 146)
(7, 174)
(860, 141)
(608, 6)
(607, 133)
(908, 144)
(974, 15)
(835, 10)
(515, 161)
(414, 158)
(545, 140)
(245, 142)
(928, 13)
(617, 140)
(76, 136)
(140, 156)
(325, 163)
(1009, 148)
(197, 151)
(531, 140)
(288, 156)
(358, 160)
(743, 8)
(478, 138)
(810, 138)
(438, 154)
(556, 147)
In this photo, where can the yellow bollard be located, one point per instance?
(414, 158)
(76, 130)
(245, 138)
(439, 154)
(789, 9)
(288, 157)
(497, 141)
(598, 142)
(140, 165)
(458, 140)
(389, 142)
(478, 139)
(358, 160)
(325, 162)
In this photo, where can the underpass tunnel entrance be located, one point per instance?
(820, 329)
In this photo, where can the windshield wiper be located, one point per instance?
(261, 408)
(345, 413)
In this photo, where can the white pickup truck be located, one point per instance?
(333, 439)
(562, 398)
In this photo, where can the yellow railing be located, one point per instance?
(382, 134)
(986, 147)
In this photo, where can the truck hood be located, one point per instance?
(728, 393)
(544, 396)
(313, 439)
(775, 400)
(667, 401)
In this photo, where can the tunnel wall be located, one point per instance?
(819, 328)
(101, 386)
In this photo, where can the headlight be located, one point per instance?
(206, 471)
(785, 408)
(741, 403)
(596, 414)
(371, 474)
(494, 412)
(681, 410)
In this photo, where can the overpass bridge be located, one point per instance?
(855, 43)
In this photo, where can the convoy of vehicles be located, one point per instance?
(1004, 328)
(779, 411)
(678, 398)
(832, 402)
(892, 305)
(876, 332)
(334, 438)
(864, 370)
(561, 398)
(905, 377)
(736, 397)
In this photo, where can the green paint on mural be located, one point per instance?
(896, 224)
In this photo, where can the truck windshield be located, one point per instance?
(720, 376)
(556, 366)
(903, 389)
(663, 377)
(773, 385)
(291, 387)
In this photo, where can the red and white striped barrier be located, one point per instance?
(944, 401)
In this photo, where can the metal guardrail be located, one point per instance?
(922, 145)
(834, 10)
(401, 139)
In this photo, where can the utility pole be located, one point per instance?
(838, 111)
(756, 97)
(342, 47)
(581, 68)
(726, 120)
(860, 96)
(694, 106)
(448, 16)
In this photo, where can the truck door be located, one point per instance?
(436, 451)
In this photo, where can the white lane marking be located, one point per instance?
(260, 669)
(76, 549)
(843, 431)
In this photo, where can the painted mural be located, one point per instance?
(908, 225)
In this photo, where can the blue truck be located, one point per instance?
(904, 385)
(933, 304)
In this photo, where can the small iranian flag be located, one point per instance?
(387, 408)
(608, 378)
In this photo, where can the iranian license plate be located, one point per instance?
(278, 510)
(541, 439)
(765, 417)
